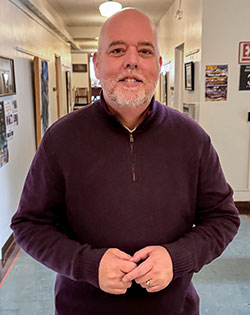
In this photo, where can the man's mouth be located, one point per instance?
(131, 79)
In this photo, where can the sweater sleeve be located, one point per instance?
(37, 227)
(216, 218)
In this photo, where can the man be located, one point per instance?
(126, 199)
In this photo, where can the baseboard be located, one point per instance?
(9, 252)
(243, 207)
(7, 249)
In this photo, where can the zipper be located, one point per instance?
(132, 141)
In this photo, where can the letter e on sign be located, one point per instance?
(244, 52)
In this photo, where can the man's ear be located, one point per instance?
(160, 61)
(96, 64)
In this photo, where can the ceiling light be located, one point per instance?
(179, 12)
(110, 7)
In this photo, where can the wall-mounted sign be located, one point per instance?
(245, 78)
(244, 52)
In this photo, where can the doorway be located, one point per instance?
(179, 77)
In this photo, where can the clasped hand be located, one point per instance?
(117, 270)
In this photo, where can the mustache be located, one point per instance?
(131, 74)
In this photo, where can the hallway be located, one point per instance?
(223, 286)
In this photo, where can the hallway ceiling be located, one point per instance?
(86, 12)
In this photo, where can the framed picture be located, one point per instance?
(7, 77)
(79, 67)
(189, 76)
(68, 91)
(41, 97)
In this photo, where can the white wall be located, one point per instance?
(80, 79)
(20, 29)
(225, 24)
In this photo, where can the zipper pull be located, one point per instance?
(131, 138)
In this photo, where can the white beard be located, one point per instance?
(128, 96)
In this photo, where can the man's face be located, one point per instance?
(128, 62)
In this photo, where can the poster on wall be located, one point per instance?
(216, 81)
(4, 153)
(245, 78)
(42, 97)
(9, 119)
(15, 112)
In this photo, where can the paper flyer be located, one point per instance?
(9, 119)
(4, 153)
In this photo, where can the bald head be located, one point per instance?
(128, 18)
(128, 61)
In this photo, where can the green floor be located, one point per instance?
(223, 286)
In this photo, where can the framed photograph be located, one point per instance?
(7, 77)
(189, 76)
(41, 97)
(79, 67)
(68, 91)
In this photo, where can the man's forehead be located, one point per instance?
(130, 26)
(126, 43)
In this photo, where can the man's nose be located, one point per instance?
(131, 58)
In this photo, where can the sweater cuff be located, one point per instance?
(87, 267)
(182, 259)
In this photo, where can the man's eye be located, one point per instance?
(146, 51)
(117, 51)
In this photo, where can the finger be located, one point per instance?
(141, 254)
(145, 285)
(122, 255)
(139, 271)
(127, 266)
(155, 288)
(144, 278)
(127, 284)
(118, 291)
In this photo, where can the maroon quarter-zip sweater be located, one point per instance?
(92, 185)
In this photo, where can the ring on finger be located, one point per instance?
(149, 284)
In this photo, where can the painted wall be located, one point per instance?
(80, 79)
(18, 28)
(225, 24)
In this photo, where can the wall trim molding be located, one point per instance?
(9, 252)
(7, 249)
(243, 207)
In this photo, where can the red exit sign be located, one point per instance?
(244, 52)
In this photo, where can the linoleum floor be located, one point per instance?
(223, 285)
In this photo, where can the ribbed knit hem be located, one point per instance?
(182, 259)
(86, 267)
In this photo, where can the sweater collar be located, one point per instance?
(152, 117)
